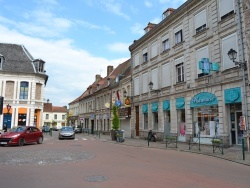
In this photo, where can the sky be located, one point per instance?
(77, 39)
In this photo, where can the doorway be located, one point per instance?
(137, 120)
(236, 134)
(7, 120)
(166, 124)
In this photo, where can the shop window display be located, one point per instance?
(206, 121)
(181, 122)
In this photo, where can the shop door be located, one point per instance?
(137, 120)
(92, 126)
(166, 123)
(236, 132)
(7, 120)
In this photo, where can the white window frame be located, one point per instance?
(178, 35)
(180, 76)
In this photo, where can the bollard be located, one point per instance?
(199, 141)
(243, 148)
(99, 133)
(148, 138)
(50, 132)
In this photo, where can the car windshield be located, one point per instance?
(67, 129)
(17, 129)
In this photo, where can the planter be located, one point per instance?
(113, 133)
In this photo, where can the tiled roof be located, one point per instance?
(47, 107)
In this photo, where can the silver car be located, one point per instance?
(66, 132)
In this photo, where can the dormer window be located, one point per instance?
(117, 79)
(1, 61)
(39, 65)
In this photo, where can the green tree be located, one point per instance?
(115, 121)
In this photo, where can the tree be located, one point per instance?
(115, 121)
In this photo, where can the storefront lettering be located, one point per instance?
(198, 100)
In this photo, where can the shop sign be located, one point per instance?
(124, 112)
(203, 99)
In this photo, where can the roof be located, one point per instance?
(47, 107)
(17, 59)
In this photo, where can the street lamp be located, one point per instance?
(8, 108)
(151, 84)
(125, 93)
(232, 54)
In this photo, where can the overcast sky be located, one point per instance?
(77, 38)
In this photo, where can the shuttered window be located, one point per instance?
(166, 75)
(226, 8)
(136, 86)
(227, 43)
(154, 49)
(200, 21)
(145, 83)
(201, 53)
(154, 78)
(136, 60)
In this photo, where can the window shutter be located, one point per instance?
(136, 60)
(165, 37)
(178, 29)
(145, 83)
(154, 49)
(179, 61)
(144, 51)
(136, 86)
(200, 19)
(166, 75)
(155, 78)
(227, 44)
(226, 6)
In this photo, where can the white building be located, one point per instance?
(22, 82)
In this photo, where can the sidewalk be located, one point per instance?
(233, 154)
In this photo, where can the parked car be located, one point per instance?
(21, 135)
(45, 129)
(54, 128)
(66, 132)
(78, 129)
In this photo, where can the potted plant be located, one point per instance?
(115, 123)
(216, 142)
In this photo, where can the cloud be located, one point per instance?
(148, 4)
(115, 8)
(171, 3)
(93, 26)
(70, 70)
(119, 47)
(137, 28)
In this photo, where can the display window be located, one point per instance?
(181, 122)
(205, 121)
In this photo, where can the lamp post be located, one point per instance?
(151, 84)
(232, 54)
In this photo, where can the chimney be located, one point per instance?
(109, 69)
(97, 77)
(167, 12)
(149, 27)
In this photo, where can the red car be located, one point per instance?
(21, 135)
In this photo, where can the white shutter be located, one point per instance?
(144, 51)
(166, 75)
(136, 60)
(200, 19)
(178, 29)
(228, 43)
(154, 78)
(226, 6)
(154, 49)
(136, 86)
(201, 53)
(145, 83)
(179, 61)
(165, 37)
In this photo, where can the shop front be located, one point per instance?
(205, 116)
(181, 118)
(166, 116)
(124, 116)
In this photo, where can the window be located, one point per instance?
(226, 8)
(136, 86)
(165, 45)
(178, 37)
(180, 72)
(145, 121)
(145, 83)
(201, 53)
(63, 117)
(145, 57)
(47, 116)
(55, 116)
(200, 21)
(181, 122)
(166, 75)
(24, 87)
(136, 60)
(155, 115)
(154, 49)
(1, 61)
(227, 43)
(154, 78)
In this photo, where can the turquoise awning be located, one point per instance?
(232, 95)
(145, 108)
(154, 107)
(203, 99)
(180, 103)
(166, 105)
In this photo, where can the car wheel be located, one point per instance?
(21, 142)
(40, 140)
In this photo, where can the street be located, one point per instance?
(89, 162)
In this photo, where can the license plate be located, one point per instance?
(3, 142)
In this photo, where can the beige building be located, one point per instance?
(22, 82)
(197, 91)
(54, 116)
